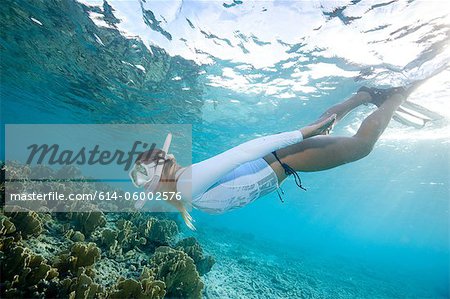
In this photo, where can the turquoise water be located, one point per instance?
(377, 228)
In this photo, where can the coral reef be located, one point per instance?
(24, 274)
(81, 255)
(96, 255)
(147, 288)
(122, 239)
(8, 233)
(127, 235)
(137, 233)
(27, 222)
(74, 235)
(88, 222)
(6, 226)
(178, 272)
(160, 232)
(81, 286)
(192, 248)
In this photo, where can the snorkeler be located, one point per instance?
(257, 167)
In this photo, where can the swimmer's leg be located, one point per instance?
(325, 152)
(342, 109)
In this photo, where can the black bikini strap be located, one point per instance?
(279, 196)
(288, 170)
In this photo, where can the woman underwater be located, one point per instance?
(257, 167)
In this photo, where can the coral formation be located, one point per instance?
(74, 235)
(178, 272)
(127, 235)
(81, 286)
(138, 232)
(81, 255)
(192, 248)
(96, 255)
(25, 221)
(122, 239)
(88, 222)
(147, 288)
(6, 226)
(24, 274)
(7, 232)
(160, 232)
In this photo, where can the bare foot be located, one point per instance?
(322, 127)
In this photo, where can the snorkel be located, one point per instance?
(149, 175)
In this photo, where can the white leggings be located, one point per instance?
(196, 180)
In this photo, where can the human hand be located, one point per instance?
(321, 127)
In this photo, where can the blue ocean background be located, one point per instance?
(376, 228)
